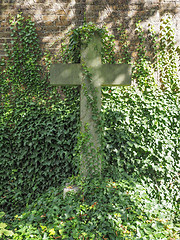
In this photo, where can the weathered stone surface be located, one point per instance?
(101, 75)
(70, 188)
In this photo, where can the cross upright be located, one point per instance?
(102, 75)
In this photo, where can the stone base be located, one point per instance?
(69, 188)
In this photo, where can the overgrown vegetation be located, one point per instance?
(33, 115)
(3, 230)
(115, 210)
(138, 195)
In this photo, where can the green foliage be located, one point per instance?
(32, 169)
(142, 125)
(3, 230)
(23, 67)
(99, 210)
(168, 60)
(143, 70)
(37, 127)
(38, 142)
(153, 154)
(81, 36)
(87, 145)
(88, 151)
(124, 45)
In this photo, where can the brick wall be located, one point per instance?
(55, 17)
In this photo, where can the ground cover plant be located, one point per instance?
(100, 210)
(137, 196)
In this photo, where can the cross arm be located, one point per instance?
(65, 74)
(114, 74)
(105, 75)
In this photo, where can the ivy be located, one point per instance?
(105, 209)
(138, 194)
(82, 36)
(25, 54)
(78, 38)
(3, 230)
(168, 64)
(33, 115)
(142, 122)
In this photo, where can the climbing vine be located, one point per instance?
(168, 59)
(39, 132)
(80, 37)
(33, 114)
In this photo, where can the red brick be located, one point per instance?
(49, 18)
(5, 34)
(60, 12)
(54, 20)
(40, 1)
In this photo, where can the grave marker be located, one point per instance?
(102, 75)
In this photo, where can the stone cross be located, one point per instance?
(102, 75)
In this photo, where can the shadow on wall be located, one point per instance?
(56, 17)
(127, 13)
